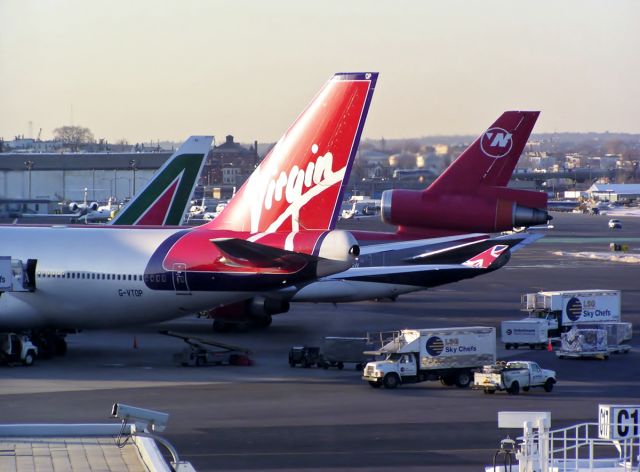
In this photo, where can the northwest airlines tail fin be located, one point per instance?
(471, 195)
(165, 198)
(299, 184)
(492, 157)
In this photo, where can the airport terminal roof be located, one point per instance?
(619, 189)
(83, 161)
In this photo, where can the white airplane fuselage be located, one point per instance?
(94, 278)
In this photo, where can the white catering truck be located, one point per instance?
(558, 311)
(446, 354)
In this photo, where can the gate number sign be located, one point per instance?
(619, 421)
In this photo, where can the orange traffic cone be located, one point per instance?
(135, 342)
(549, 346)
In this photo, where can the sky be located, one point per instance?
(144, 70)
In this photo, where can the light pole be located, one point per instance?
(29, 165)
(132, 162)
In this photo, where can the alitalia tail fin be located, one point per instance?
(299, 184)
(166, 197)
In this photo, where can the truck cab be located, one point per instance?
(17, 349)
(397, 368)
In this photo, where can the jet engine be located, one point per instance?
(493, 209)
(255, 312)
(76, 207)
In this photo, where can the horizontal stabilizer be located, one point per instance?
(242, 253)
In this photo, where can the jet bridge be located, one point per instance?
(17, 275)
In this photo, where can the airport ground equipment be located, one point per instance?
(450, 355)
(200, 352)
(514, 376)
(17, 349)
(592, 342)
(609, 445)
(564, 309)
(306, 356)
(338, 351)
(531, 332)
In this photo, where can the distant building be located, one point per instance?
(230, 163)
(622, 193)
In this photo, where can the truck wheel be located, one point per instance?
(548, 385)
(359, 366)
(507, 346)
(515, 388)
(489, 391)
(464, 379)
(525, 389)
(340, 365)
(200, 361)
(391, 381)
(532, 346)
(29, 359)
(516, 345)
(292, 364)
(375, 383)
(447, 381)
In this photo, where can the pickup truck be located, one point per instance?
(513, 376)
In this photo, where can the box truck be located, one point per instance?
(450, 355)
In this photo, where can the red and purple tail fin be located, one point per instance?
(299, 184)
(492, 157)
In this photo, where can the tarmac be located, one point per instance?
(273, 417)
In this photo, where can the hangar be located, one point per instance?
(621, 193)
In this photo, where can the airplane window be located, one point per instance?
(164, 278)
(108, 276)
(83, 274)
(73, 275)
(129, 276)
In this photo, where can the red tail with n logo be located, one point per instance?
(299, 184)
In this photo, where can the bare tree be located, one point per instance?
(73, 136)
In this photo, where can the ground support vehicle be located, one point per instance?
(531, 332)
(415, 355)
(305, 356)
(338, 351)
(17, 349)
(201, 352)
(513, 376)
(565, 309)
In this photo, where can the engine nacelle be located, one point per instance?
(498, 209)
(253, 313)
(338, 252)
(74, 207)
(93, 206)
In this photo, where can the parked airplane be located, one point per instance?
(472, 193)
(154, 274)
(386, 268)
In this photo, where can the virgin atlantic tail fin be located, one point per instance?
(165, 198)
(299, 184)
(492, 157)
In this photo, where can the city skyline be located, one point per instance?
(141, 72)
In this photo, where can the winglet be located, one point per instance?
(487, 257)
